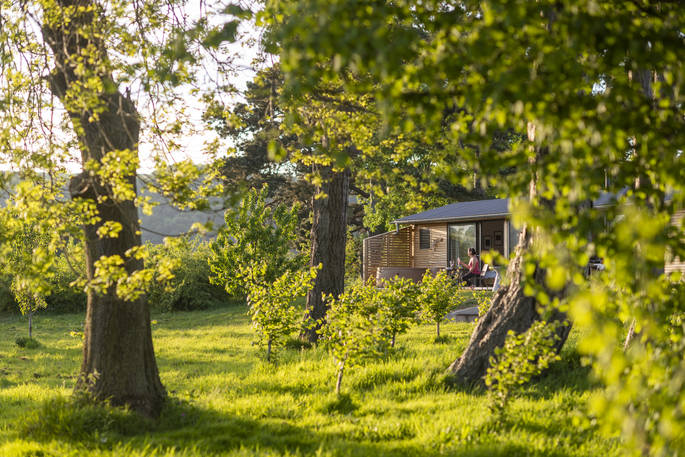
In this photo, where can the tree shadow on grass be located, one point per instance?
(204, 431)
(567, 374)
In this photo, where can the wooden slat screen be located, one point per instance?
(390, 249)
(676, 264)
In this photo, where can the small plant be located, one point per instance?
(522, 357)
(357, 328)
(29, 301)
(272, 309)
(438, 295)
(399, 297)
(28, 343)
(484, 301)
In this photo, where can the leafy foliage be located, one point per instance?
(187, 286)
(272, 307)
(256, 246)
(357, 328)
(483, 300)
(400, 298)
(353, 257)
(438, 295)
(522, 357)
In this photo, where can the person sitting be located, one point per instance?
(473, 267)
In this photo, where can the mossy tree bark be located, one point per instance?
(118, 358)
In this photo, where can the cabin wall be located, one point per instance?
(436, 255)
(513, 237)
(675, 264)
(492, 232)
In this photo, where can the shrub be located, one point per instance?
(7, 301)
(522, 357)
(26, 342)
(438, 295)
(68, 292)
(357, 328)
(189, 289)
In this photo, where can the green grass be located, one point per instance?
(224, 399)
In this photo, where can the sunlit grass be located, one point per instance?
(226, 400)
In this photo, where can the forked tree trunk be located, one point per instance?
(118, 358)
(511, 310)
(328, 235)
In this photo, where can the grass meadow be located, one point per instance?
(225, 400)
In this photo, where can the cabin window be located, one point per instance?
(461, 238)
(424, 238)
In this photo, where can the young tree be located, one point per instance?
(257, 245)
(272, 310)
(438, 294)
(400, 298)
(356, 328)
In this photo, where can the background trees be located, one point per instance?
(571, 77)
(75, 75)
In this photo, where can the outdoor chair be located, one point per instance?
(489, 273)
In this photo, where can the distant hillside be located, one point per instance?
(165, 219)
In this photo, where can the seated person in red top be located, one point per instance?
(473, 267)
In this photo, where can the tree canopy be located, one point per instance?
(593, 90)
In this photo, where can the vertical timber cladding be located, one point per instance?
(436, 255)
(390, 249)
(676, 264)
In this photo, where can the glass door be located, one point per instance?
(461, 237)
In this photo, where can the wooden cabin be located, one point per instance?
(431, 239)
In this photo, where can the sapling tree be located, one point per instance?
(29, 301)
(398, 298)
(523, 356)
(257, 245)
(356, 328)
(438, 295)
(273, 311)
(24, 257)
(255, 255)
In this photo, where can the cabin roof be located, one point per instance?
(482, 209)
(461, 211)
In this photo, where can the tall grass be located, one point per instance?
(224, 399)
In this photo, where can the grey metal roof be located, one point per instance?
(460, 211)
(481, 209)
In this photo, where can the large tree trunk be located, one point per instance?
(511, 309)
(329, 234)
(118, 358)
